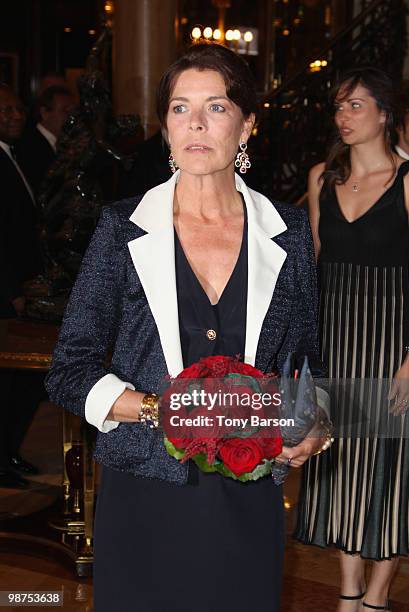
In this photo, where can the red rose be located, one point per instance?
(219, 373)
(208, 427)
(241, 456)
(271, 446)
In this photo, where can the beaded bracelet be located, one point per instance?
(150, 410)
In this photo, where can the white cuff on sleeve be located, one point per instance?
(100, 400)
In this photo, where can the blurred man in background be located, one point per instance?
(20, 260)
(36, 151)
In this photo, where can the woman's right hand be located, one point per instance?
(127, 407)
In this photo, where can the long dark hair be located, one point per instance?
(338, 164)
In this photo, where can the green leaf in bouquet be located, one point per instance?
(259, 472)
(203, 464)
(173, 451)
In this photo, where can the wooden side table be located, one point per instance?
(26, 345)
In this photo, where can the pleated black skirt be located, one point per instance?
(356, 495)
(213, 545)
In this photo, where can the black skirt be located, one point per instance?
(213, 545)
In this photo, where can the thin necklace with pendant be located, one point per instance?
(355, 185)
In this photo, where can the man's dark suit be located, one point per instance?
(20, 257)
(20, 260)
(35, 156)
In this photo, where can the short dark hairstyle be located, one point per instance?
(46, 98)
(381, 88)
(239, 81)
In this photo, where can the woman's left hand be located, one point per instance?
(400, 390)
(296, 456)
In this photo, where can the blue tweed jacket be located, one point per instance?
(124, 303)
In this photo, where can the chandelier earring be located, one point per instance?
(242, 159)
(172, 164)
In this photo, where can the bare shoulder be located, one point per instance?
(315, 173)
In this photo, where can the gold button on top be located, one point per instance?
(211, 334)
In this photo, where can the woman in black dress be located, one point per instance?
(200, 265)
(356, 496)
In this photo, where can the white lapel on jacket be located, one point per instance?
(265, 260)
(153, 256)
(154, 260)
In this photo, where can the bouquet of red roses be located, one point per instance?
(238, 441)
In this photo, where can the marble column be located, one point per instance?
(144, 46)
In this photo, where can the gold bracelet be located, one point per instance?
(150, 410)
(328, 441)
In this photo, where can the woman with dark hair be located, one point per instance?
(200, 265)
(356, 496)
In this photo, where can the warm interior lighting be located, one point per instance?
(286, 32)
(229, 35)
(248, 37)
(266, 105)
(196, 33)
(297, 21)
(217, 34)
(236, 34)
(67, 30)
(109, 7)
(184, 20)
(317, 65)
(91, 32)
(207, 32)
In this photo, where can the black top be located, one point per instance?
(211, 330)
(379, 237)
